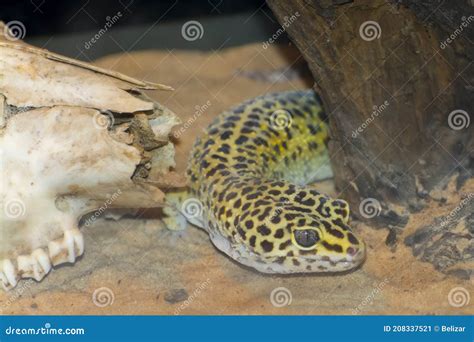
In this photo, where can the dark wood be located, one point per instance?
(408, 148)
(447, 242)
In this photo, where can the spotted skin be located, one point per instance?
(249, 171)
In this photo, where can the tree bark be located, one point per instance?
(397, 93)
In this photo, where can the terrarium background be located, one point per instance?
(151, 270)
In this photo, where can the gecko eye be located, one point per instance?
(306, 237)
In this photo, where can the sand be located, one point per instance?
(136, 266)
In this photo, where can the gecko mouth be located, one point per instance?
(316, 264)
(352, 259)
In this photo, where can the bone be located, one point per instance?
(35, 266)
(70, 146)
(40, 262)
(8, 274)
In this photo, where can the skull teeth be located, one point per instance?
(66, 249)
(8, 274)
(40, 262)
(36, 265)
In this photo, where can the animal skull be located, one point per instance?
(73, 138)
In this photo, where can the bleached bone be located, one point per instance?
(74, 139)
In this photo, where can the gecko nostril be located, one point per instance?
(352, 251)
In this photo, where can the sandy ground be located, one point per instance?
(136, 266)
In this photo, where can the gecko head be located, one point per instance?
(297, 240)
(325, 245)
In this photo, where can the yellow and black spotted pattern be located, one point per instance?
(249, 171)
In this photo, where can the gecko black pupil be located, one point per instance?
(306, 237)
